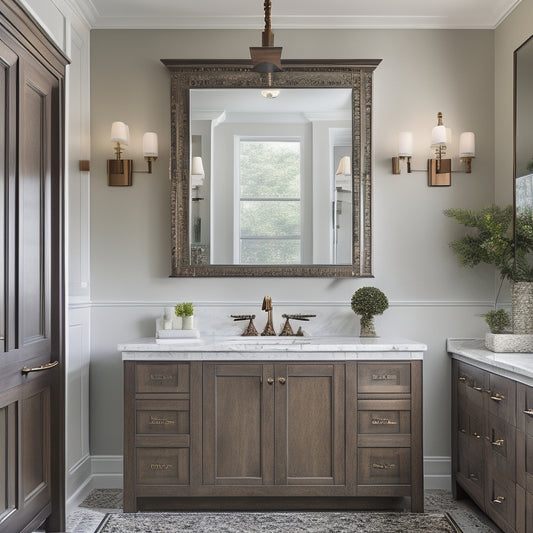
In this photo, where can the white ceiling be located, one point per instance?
(246, 14)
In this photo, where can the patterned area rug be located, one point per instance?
(308, 522)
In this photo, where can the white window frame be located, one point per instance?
(237, 197)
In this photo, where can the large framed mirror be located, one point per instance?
(271, 174)
(523, 161)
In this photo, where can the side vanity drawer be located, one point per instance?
(384, 423)
(384, 378)
(502, 398)
(162, 377)
(472, 386)
(162, 417)
(163, 466)
(384, 466)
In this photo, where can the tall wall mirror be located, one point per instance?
(523, 162)
(271, 173)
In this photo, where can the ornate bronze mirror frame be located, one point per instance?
(198, 74)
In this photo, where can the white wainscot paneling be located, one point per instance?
(77, 398)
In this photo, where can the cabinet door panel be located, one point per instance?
(238, 424)
(310, 424)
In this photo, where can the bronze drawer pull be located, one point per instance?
(499, 500)
(497, 397)
(528, 412)
(47, 366)
(473, 477)
(462, 430)
(282, 380)
(498, 442)
(479, 389)
(476, 435)
(383, 422)
(381, 466)
(270, 381)
(462, 379)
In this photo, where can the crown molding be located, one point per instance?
(86, 10)
(506, 12)
(299, 22)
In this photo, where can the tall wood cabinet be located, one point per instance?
(278, 434)
(31, 275)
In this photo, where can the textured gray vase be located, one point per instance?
(368, 330)
(522, 314)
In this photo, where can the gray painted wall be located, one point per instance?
(432, 298)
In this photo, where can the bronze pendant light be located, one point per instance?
(266, 58)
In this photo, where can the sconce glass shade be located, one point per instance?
(345, 167)
(120, 133)
(197, 167)
(467, 144)
(405, 144)
(150, 147)
(438, 136)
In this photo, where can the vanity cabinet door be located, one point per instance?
(238, 424)
(310, 424)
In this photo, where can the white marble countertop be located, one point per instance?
(516, 366)
(337, 348)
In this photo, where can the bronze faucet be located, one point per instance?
(250, 330)
(267, 306)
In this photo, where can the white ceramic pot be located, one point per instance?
(187, 322)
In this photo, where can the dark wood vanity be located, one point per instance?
(283, 434)
(492, 433)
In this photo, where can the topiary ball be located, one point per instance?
(369, 301)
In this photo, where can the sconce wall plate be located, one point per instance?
(439, 172)
(119, 172)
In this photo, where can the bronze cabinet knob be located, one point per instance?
(270, 381)
(282, 380)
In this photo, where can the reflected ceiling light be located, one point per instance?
(270, 93)
(266, 58)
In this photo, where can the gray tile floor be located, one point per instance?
(87, 517)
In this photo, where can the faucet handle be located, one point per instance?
(250, 330)
(287, 329)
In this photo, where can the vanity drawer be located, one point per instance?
(162, 466)
(384, 378)
(384, 417)
(472, 386)
(162, 417)
(502, 398)
(501, 453)
(162, 377)
(524, 409)
(384, 466)
(501, 500)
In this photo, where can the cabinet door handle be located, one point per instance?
(497, 397)
(498, 442)
(47, 366)
(479, 389)
(270, 381)
(282, 380)
(528, 412)
(462, 379)
(473, 477)
(499, 500)
(476, 435)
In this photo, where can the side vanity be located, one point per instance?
(492, 432)
(270, 423)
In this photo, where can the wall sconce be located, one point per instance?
(439, 169)
(119, 171)
(197, 172)
(343, 175)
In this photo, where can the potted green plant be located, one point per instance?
(188, 316)
(368, 302)
(492, 242)
(498, 321)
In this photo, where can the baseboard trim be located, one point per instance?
(438, 472)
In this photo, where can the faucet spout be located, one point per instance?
(269, 327)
